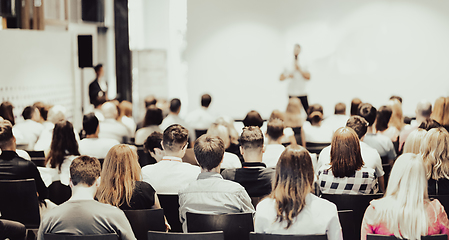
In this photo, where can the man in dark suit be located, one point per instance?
(98, 88)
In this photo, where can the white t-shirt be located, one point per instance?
(271, 155)
(298, 84)
(96, 147)
(143, 133)
(318, 216)
(230, 160)
(314, 134)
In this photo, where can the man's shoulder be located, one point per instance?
(219, 185)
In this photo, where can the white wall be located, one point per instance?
(367, 49)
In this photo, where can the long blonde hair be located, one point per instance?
(120, 172)
(441, 111)
(435, 153)
(293, 113)
(414, 141)
(397, 118)
(403, 208)
(292, 182)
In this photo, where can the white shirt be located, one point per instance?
(230, 160)
(172, 119)
(129, 124)
(315, 134)
(170, 175)
(44, 141)
(50, 175)
(370, 157)
(113, 129)
(335, 122)
(318, 216)
(271, 155)
(143, 133)
(297, 85)
(200, 119)
(30, 130)
(96, 147)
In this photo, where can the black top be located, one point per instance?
(142, 198)
(13, 167)
(95, 93)
(255, 177)
(438, 187)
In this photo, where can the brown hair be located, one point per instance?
(275, 129)
(120, 172)
(345, 153)
(209, 151)
(126, 108)
(293, 117)
(63, 143)
(84, 170)
(292, 182)
(175, 137)
(441, 111)
(397, 118)
(5, 132)
(251, 138)
(435, 153)
(355, 106)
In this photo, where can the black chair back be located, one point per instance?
(146, 219)
(36, 154)
(18, 202)
(347, 224)
(383, 237)
(316, 147)
(51, 236)
(356, 203)
(235, 226)
(199, 132)
(217, 235)
(265, 236)
(170, 204)
(59, 193)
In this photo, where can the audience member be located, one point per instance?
(92, 145)
(63, 149)
(98, 89)
(81, 214)
(153, 146)
(346, 173)
(230, 160)
(291, 208)
(441, 111)
(56, 114)
(254, 176)
(171, 174)
(402, 212)
(43, 111)
(12, 230)
(370, 156)
(428, 124)
(153, 118)
(173, 117)
(355, 103)
(6, 112)
(30, 129)
(13, 167)
(314, 131)
(288, 136)
(201, 118)
(395, 97)
(434, 151)
(274, 147)
(381, 143)
(423, 111)
(253, 118)
(382, 124)
(339, 118)
(397, 118)
(414, 141)
(294, 119)
(233, 136)
(126, 116)
(210, 193)
(121, 184)
(110, 127)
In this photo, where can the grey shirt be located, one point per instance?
(85, 217)
(382, 144)
(211, 194)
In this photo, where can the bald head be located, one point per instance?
(109, 110)
(423, 109)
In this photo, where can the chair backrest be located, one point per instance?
(199, 132)
(348, 227)
(316, 147)
(51, 236)
(216, 235)
(59, 193)
(235, 226)
(39, 161)
(383, 237)
(18, 202)
(146, 219)
(170, 204)
(265, 236)
(37, 154)
(356, 203)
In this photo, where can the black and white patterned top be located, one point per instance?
(364, 181)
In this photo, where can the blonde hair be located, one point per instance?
(435, 153)
(229, 123)
(441, 111)
(120, 172)
(403, 208)
(220, 131)
(414, 141)
(397, 118)
(293, 113)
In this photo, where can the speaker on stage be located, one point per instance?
(84, 51)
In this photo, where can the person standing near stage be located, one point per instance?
(98, 88)
(298, 78)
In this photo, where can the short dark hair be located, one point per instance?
(383, 118)
(206, 99)
(355, 103)
(396, 97)
(251, 138)
(153, 141)
(98, 67)
(315, 113)
(429, 123)
(340, 108)
(90, 123)
(275, 128)
(153, 116)
(358, 124)
(150, 100)
(28, 112)
(175, 105)
(5, 131)
(84, 170)
(175, 137)
(209, 151)
(368, 112)
(253, 118)
(43, 109)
